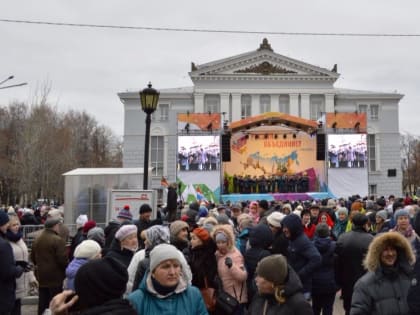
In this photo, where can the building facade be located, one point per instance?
(257, 82)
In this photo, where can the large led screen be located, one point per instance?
(347, 164)
(198, 167)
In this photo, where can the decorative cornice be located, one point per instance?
(261, 78)
(264, 68)
(265, 45)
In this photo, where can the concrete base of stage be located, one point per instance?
(276, 196)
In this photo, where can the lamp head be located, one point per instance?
(149, 98)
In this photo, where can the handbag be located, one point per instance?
(225, 302)
(209, 296)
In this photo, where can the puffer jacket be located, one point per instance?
(383, 290)
(295, 302)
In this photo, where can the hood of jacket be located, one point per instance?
(228, 231)
(372, 261)
(260, 236)
(293, 283)
(74, 265)
(294, 223)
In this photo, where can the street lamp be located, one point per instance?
(10, 86)
(149, 98)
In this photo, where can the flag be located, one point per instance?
(200, 195)
(164, 182)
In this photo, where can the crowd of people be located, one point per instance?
(256, 257)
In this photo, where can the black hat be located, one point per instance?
(4, 218)
(99, 281)
(359, 219)
(145, 208)
(263, 204)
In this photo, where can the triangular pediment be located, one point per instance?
(262, 62)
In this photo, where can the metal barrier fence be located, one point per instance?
(30, 232)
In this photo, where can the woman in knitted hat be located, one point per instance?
(201, 259)
(166, 287)
(125, 244)
(85, 251)
(230, 264)
(279, 289)
(403, 226)
(382, 224)
(341, 222)
(179, 234)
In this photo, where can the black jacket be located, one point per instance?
(295, 302)
(113, 307)
(8, 274)
(124, 255)
(323, 279)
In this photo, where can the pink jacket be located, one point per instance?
(234, 278)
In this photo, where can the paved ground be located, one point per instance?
(32, 309)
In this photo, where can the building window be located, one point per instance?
(163, 112)
(371, 152)
(265, 103)
(212, 103)
(284, 104)
(245, 106)
(317, 107)
(363, 108)
(374, 111)
(373, 190)
(156, 155)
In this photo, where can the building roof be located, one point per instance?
(105, 171)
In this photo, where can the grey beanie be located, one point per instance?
(273, 268)
(163, 252)
(383, 214)
(97, 234)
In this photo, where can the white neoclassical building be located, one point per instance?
(261, 81)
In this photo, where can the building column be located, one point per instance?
(224, 103)
(294, 104)
(329, 103)
(236, 106)
(255, 104)
(305, 105)
(198, 103)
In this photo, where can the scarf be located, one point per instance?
(14, 237)
(162, 290)
(408, 233)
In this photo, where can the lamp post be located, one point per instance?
(149, 98)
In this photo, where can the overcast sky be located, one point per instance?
(87, 67)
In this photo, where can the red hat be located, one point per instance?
(202, 234)
(88, 225)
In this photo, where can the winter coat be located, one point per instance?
(132, 269)
(110, 231)
(203, 265)
(186, 300)
(76, 240)
(295, 302)
(413, 299)
(323, 279)
(123, 255)
(71, 271)
(29, 219)
(20, 252)
(171, 203)
(8, 274)
(383, 290)
(234, 278)
(241, 241)
(112, 307)
(339, 228)
(50, 259)
(260, 239)
(280, 244)
(302, 254)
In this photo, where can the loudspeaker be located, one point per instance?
(226, 148)
(320, 147)
(392, 172)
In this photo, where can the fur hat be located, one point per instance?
(342, 210)
(125, 214)
(88, 249)
(273, 268)
(145, 208)
(88, 225)
(227, 230)
(400, 213)
(372, 260)
(99, 281)
(202, 234)
(4, 218)
(383, 214)
(275, 218)
(125, 230)
(157, 234)
(81, 220)
(176, 227)
(163, 252)
(322, 230)
(97, 234)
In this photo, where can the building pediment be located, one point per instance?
(263, 62)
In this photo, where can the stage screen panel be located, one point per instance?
(347, 164)
(198, 167)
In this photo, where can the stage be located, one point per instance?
(233, 198)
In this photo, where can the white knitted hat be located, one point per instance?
(88, 249)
